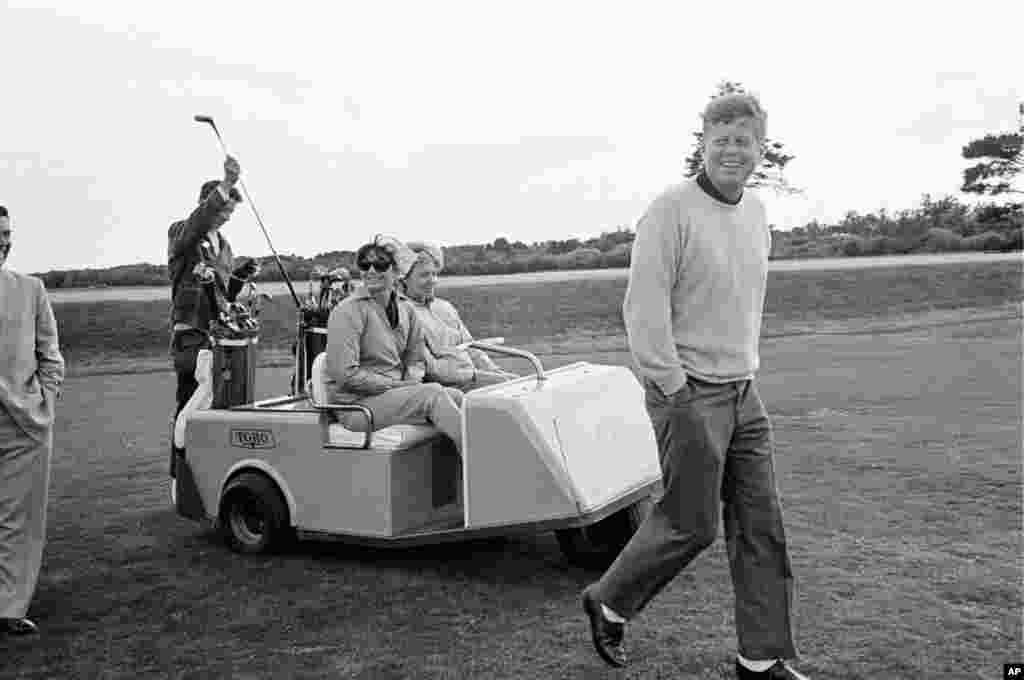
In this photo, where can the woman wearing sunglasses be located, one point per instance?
(375, 351)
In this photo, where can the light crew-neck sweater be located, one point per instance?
(696, 290)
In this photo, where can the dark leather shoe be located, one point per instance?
(780, 671)
(607, 635)
(20, 626)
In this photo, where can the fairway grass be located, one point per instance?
(132, 336)
(897, 414)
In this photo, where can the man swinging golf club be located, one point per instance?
(199, 258)
(693, 318)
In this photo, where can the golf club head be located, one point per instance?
(200, 118)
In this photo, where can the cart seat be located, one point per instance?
(391, 438)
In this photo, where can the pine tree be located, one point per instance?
(1003, 160)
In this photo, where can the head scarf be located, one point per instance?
(404, 257)
(426, 251)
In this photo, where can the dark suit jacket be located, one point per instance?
(188, 244)
(31, 365)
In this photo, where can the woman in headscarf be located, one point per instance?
(375, 351)
(443, 329)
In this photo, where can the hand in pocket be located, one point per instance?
(682, 395)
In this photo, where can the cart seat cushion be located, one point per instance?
(318, 379)
(392, 438)
(201, 399)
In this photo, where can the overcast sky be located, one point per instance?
(462, 122)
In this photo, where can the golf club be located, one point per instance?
(199, 118)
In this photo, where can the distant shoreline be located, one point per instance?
(140, 293)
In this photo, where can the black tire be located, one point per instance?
(597, 545)
(253, 515)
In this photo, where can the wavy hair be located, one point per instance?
(727, 108)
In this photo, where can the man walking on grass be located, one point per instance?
(31, 373)
(693, 318)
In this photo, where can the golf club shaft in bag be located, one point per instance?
(209, 121)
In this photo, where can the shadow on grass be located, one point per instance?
(129, 565)
(518, 559)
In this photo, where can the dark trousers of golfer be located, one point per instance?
(715, 444)
(693, 315)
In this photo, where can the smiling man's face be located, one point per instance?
(731, 154)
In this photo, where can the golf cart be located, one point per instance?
(569, 450)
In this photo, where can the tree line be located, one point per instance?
(935, 225)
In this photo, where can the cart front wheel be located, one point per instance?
(597, 545)
(253, 515)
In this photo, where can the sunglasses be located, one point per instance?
(379, 265)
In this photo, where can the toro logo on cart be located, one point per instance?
(252, 439)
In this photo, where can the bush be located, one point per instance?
(584, 258)
(990, 240)
(938, 240)
(1015, 240)
(852, 248)
(616, 257)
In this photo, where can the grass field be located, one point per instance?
(896, 398)
(573, 315)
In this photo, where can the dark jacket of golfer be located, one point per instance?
(189, 243)
(195, 241)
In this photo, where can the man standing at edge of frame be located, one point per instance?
(31, 374)
(692, 313)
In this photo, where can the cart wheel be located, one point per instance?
(597, 545)
(253, 515)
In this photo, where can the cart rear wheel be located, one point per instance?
(597, 545)
(253, 515)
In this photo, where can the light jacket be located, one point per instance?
(365, 355)
(443, 329)
(31, 365)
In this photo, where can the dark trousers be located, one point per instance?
(716, 448)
